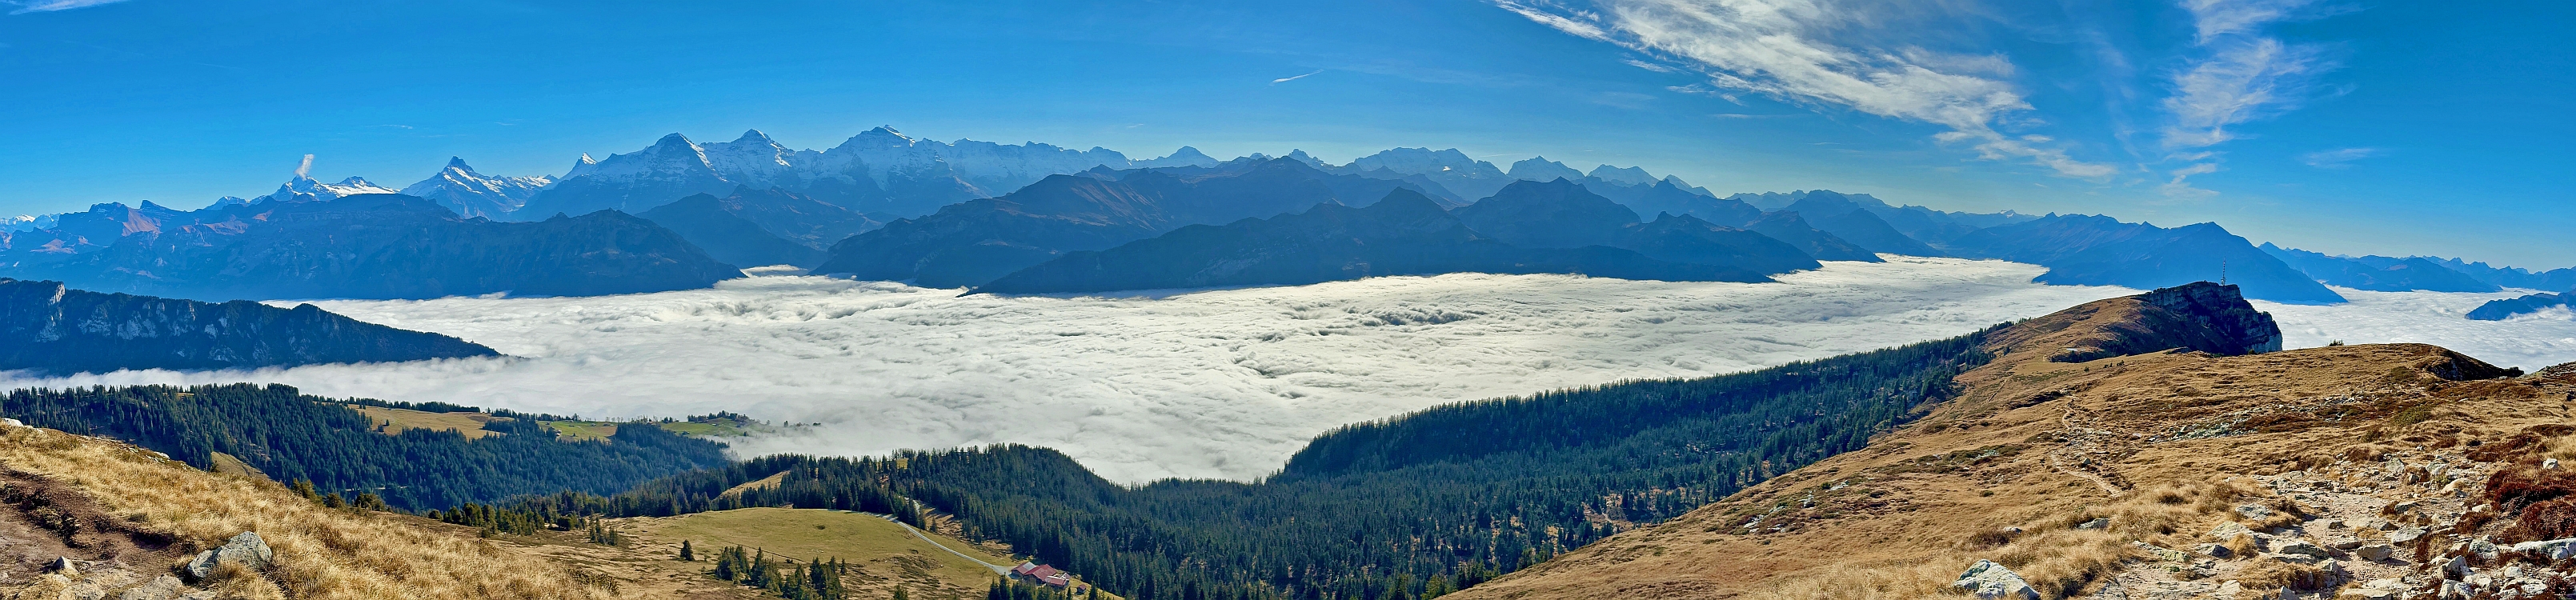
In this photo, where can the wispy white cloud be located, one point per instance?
(1580, 24)
(2180, 187)
(2243, 80)
(34, 6)
(2216, 18)
(2240, 75)
(1650, 66)
(2340, 158)
(1782, 49)
(1289, 79)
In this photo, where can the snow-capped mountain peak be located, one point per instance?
(473, 194)
(307, 189)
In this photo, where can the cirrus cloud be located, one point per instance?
(1784, 49)
(36, 6)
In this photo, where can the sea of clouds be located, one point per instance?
(1221, 383)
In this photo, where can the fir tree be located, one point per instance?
(685, 552)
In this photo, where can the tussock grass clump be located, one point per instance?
(1893, 581)
(321, 552)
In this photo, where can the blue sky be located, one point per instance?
(2344, 127)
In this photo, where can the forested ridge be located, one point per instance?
(291, 436)
(1407, 507)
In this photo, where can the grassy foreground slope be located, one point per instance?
(147, 512)
(2345, 469)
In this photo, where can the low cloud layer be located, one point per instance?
(1211, 384)
(2438, 318)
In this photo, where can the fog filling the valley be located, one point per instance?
(1218, 383)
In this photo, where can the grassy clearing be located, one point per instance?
(395, 420)
(711, 429)
(582, 431)
(885, 553)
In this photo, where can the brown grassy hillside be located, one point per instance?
(2158, 475)
(134, 515)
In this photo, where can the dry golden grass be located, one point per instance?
(2161, 444)
(321, 552)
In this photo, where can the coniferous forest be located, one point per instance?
(294, 437)
(1408, 507)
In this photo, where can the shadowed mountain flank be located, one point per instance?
(48, 328)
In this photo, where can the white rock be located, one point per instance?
(247, 550)
(2374, 552)
(1989, 581)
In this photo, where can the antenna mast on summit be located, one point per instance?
(2222, 272)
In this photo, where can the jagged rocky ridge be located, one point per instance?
(51, 329)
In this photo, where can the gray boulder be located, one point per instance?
(163, 588)
(1989, 581)
(247, 550)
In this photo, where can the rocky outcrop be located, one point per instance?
(245, 551)
(2202, 316)
(1989, 581)
(49, 328)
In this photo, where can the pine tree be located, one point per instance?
(685, 552)
(899, 594)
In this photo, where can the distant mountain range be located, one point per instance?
(365, 246)
(55, 330)
(2094, 250)
(1405, 233)
(761, 227)
(2379, 273)
(2498, 310)
(971, 243)
(966, 213)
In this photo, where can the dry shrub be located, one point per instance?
(2545, 520)
(1892, 581)
(2061, 563)
(2511, 449)
(2241, 546)
(2273, 574)
(2365, 454)
(2513, 488)
(321, 552)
